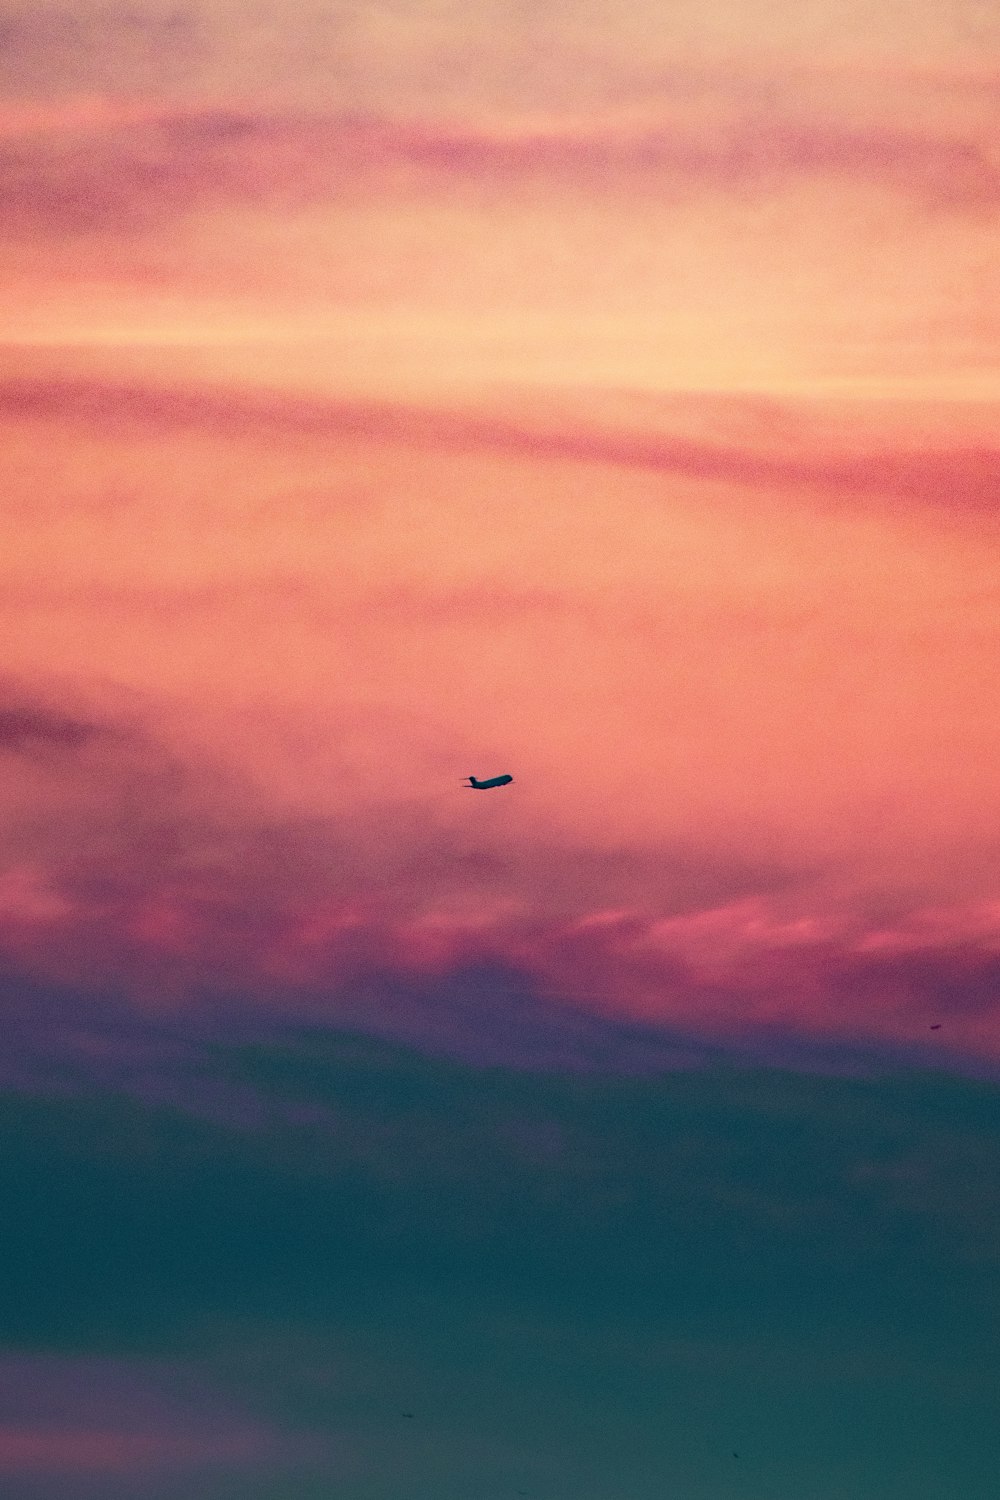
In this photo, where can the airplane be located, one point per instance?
(483, 786)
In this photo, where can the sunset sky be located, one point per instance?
(604, 393)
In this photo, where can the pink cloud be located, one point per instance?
(128, 168)
(827, 992)
(101, 1416)
(127, 867)
(52, 1450)
(955, 474)
(22, 729)
(806, 963)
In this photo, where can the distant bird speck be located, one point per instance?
(484, 786)
(937, 1027)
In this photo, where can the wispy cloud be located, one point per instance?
(74, 1423)
(25, 729)
(947, 474)
(153, 874)
(123, 169)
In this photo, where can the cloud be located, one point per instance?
(360, 1148)
(76, 1423)
(24, 729)
(949, 476)
(125, 170)
(526, 1262)
(508, 57)
(94, 47)
(132, 868)
(47, 1451)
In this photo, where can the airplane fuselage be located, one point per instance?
(484, 786)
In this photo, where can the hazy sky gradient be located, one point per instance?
(601, 393)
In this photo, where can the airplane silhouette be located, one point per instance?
(484, 786)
